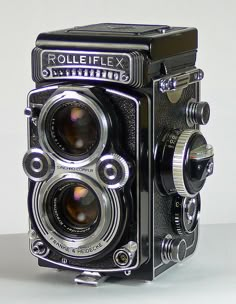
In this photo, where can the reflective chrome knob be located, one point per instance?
(124, 256)
(184, 161)
(39, 248)
(192, 163)
(112, 171)
(37, 165)
(173, 250)
(197, 113)
(28, 112)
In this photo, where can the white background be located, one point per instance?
(22, 21)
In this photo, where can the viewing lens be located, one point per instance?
(74, 130)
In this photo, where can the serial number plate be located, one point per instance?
(113, 67)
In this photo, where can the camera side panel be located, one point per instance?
(169, 114)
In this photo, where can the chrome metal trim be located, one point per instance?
(85, 66)
(38, 160)
(178, 162)
(82, 269)
(170, 249)
(195, 217)
(129, 73)
(122, 163)
(87, 269)
(28, 106)
(180, 81)
(202, 152)
(110, 167)
(154, 92)
(80, 248)
(189, 112)
(38, 151)
(197, 112)
(58, 99)
(129, 250)
(168, 237)
(28, 112)
(41, 252)
(90, 278)
(181, 217)
(195, 241)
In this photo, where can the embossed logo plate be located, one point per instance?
(105, 66)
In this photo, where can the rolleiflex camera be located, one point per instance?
(115, 157)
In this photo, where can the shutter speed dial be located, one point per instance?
(184, 161)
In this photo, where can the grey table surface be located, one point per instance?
(208, 277)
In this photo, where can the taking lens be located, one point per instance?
(80, 206)
(73, 130)
(73, 209)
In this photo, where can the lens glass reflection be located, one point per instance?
(80, 205)
(73, 209)
(74, 129)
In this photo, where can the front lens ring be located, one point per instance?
(58, 100)
(95, 243)
(59, 199)
(72, 130)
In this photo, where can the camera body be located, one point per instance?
(115, 157)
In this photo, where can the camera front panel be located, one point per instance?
(83, 165)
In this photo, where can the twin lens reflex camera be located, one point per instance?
(115, 156)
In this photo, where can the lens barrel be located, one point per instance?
(73, 209)
(77, 216)
(73, 128)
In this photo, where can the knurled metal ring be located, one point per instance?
(119, 167)
(46, 166)
(178, 162)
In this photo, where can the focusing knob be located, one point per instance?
(192, 163)
(186, 213)
(184, 162)
(37, 165)
(112, 171)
